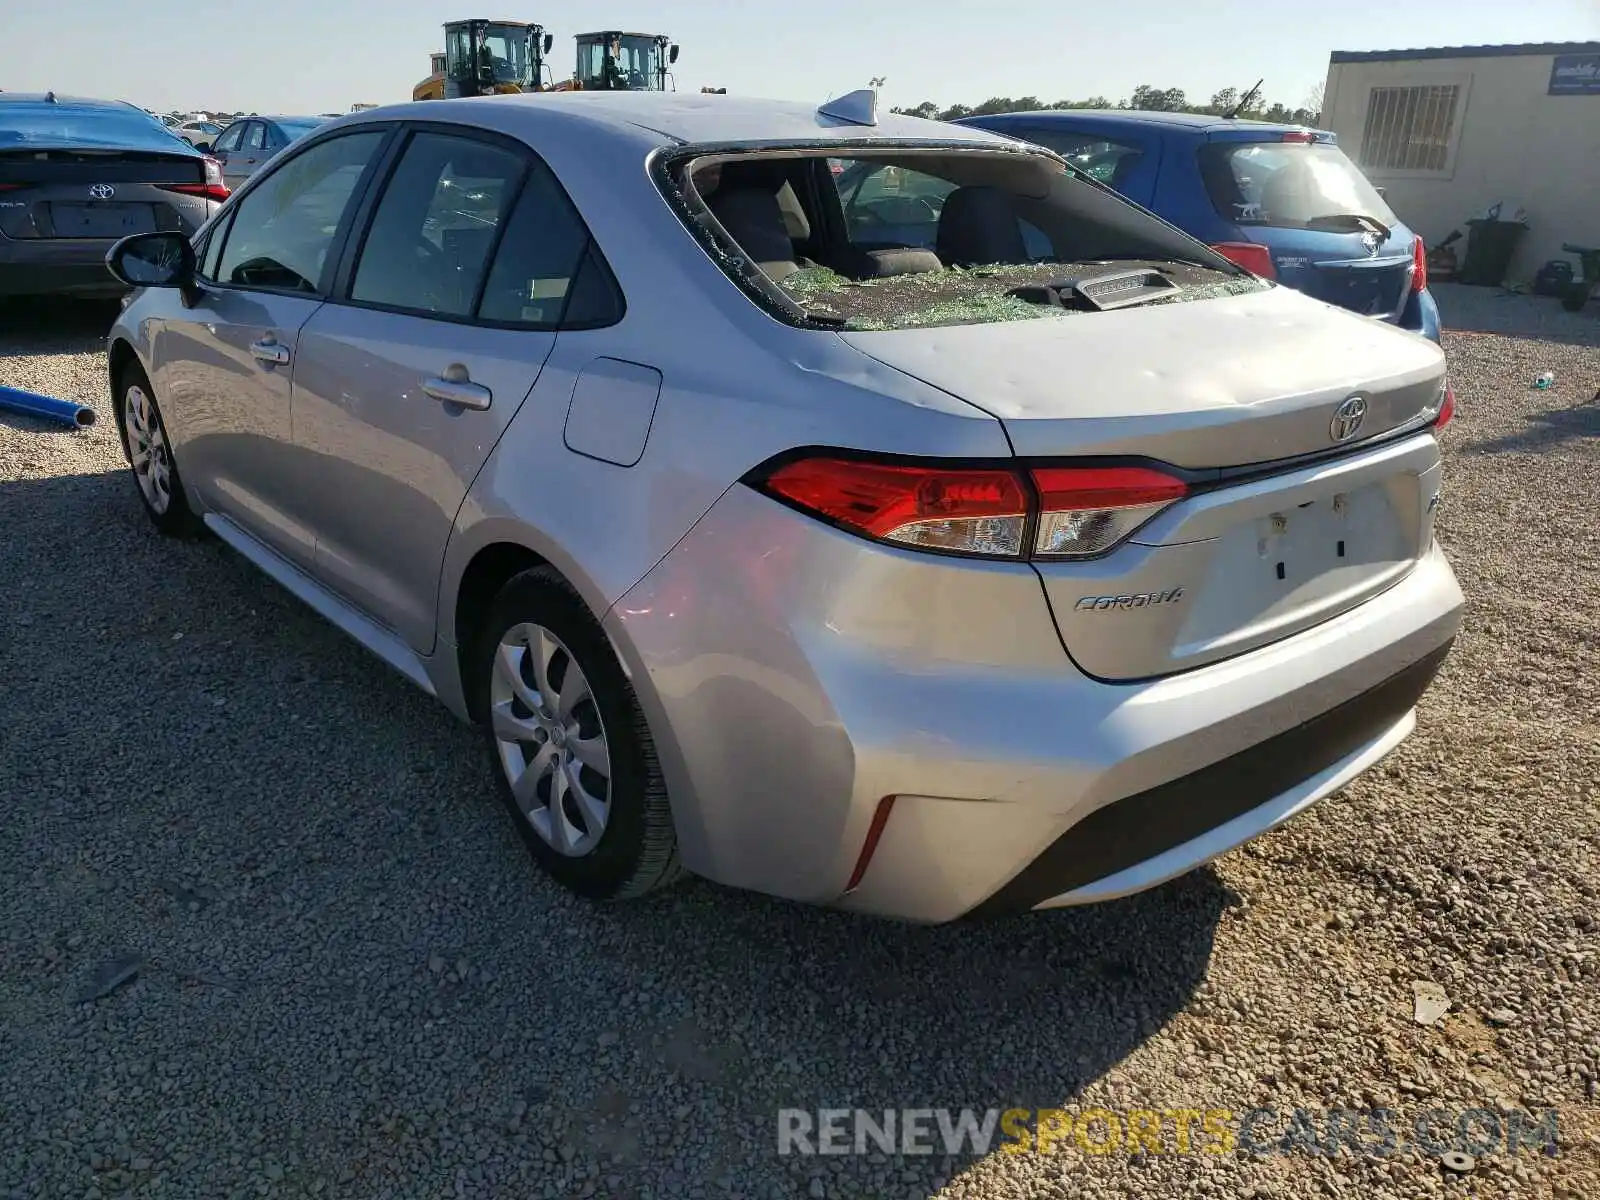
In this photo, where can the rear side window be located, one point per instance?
(255, 136)
(544, 272)
(436, 226)
(284, 227)
(1294, 185)
(1111, 162)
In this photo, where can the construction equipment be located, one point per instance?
(483, 58)
(615, 61)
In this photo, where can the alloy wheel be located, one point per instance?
(147, 449)
(550, 739)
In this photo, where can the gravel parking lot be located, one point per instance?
(351, 981)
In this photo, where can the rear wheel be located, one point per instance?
(149, 453)
(573, 755)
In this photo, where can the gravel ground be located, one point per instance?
(351, 982)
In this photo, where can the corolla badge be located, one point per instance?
(1347, 418)
(101, 191)
(1130, 600)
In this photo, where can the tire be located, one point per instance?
(628, 849)
(1576, 296)
(148, 449)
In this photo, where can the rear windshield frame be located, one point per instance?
(663, 166)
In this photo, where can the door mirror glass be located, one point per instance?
(152, 260)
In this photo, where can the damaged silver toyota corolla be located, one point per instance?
(875, 513)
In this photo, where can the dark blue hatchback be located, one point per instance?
(1280, 200)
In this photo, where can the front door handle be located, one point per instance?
(455, 386)
(268, 350)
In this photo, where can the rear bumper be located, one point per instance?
(50, 268)
(795, 676)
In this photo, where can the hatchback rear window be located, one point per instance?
(931, 235)
(1293, 185)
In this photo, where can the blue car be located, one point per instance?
(1282, 201)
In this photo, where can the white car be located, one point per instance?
(199, 134)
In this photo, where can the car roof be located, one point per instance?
(1113, 118)
(692, 118)
(45, 100)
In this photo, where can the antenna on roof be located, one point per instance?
(1243, 101)
(857, 108)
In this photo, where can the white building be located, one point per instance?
(1449, 131)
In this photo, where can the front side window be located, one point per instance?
(285, 226)
(255, 136)
(1295, 185)
(436, 225)
(230, 138)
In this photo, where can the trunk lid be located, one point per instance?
(1216, 387)
(1363, 273)
(49, 193)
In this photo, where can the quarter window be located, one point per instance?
(436, 226)
(285, 226)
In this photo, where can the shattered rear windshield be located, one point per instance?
(915, 238)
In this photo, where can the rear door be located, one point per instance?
(1329, 232)
(448, 307)
(227, 362)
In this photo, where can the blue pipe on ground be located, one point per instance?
(35, 405)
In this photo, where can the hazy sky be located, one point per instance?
(308, 56)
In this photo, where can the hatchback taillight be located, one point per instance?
(1253, 258)
(1056, 512)
(1447, 408)
(1419, 265)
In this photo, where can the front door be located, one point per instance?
(233, 363)
(405, 382)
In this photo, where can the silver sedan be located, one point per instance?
(942, 535)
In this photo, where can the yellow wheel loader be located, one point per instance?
(482, 57)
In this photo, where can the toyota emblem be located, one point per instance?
(101, 191)
(1347, 418)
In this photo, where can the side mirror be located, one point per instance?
(203, 147)
(549, 40)
(153, 260)
(672, 54)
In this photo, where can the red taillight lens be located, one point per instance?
(964, 511)
(1078, 512)
(1084, 511)
(212, 189)
(1299, 135)
(1253, 258)
(1447, 408)
(1419, 262)
(9, 187)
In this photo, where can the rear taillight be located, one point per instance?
(1447, 408)
(1253, 258)
(1073, 512)
(212, 189)
(1419, 265)
(936, 508)
(1085, 511)
(1298, 135)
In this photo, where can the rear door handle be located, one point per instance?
(268, 350)
(455, 386)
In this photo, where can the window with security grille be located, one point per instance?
(1409, 128)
